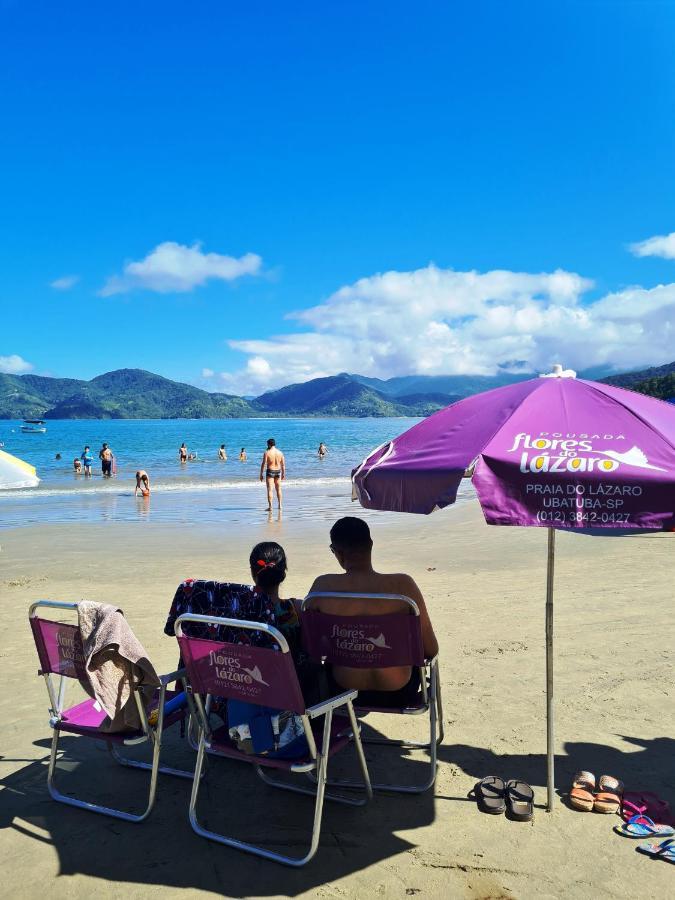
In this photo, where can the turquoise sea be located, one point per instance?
(204, 490)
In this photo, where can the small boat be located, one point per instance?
(33, 426)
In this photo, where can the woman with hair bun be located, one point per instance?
(268, 568)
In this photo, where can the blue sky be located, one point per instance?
(316, 147)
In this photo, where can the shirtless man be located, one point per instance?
(182, 453)
(352, 547)
(142, 483)
(222, 453)
(273, 469)
(105, 454)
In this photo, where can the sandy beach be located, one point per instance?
(485, 589)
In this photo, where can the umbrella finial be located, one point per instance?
(557, 371)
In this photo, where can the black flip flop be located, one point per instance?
(489, 794)
(519, 800)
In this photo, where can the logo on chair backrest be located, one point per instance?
(357, 641)
(228, 670)
(65, 651)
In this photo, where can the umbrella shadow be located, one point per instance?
(165, 851)
(649, 768)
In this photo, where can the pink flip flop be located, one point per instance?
(646, 803)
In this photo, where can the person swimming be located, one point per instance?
(142, 483)
(323, 450)
(77, 466)
(273, 469)
(242, 455)
(182, 453)
(222, 453)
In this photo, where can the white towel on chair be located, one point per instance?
(115, 661)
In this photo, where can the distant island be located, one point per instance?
(137, 394)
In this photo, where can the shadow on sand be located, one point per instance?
(165, 851)
(650, 768)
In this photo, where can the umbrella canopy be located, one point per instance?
(551, 451)
(15, 473)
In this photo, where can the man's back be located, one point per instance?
(364, 582)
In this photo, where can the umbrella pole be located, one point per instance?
(550, 756)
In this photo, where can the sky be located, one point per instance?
(245, 195)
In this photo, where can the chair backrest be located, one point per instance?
(58, 644)
(264, 676)
(377, 641)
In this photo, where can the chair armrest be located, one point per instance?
(320, 709)
(172, 676)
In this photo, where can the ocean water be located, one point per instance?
(204, 490)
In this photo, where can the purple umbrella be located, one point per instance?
(554, 451)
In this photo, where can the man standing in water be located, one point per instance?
(273, 469)
(105, 454)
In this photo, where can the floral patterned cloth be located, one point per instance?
(231, 601)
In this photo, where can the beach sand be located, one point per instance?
(485, 588)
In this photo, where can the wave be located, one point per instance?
(116, 489)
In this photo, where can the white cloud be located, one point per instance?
(208, 373)
(65, 283)
(660, 245)
(173, 267)
(438, 321)
(14, 365)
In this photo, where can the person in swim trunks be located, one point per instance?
(182, 453)
(105, 454)
(273, 469)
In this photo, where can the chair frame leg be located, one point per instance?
(95, 807)
(319, 794)
(436, 735)
(337, 798)
(139, 764)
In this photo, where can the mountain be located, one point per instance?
(663, 387)
(137, 394)
(342, 395)
(123, 394)
(455, 386)
(632, 379)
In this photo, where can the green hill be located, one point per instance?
(336, 395)
(123, 394)
(631, 379)
(663, 387)
(137, 394)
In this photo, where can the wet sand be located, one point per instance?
(485, 589)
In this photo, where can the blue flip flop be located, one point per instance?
(642, 826)
(665, 850)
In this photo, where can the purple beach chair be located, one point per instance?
(59, 648)
(265, 676)
(379, 641)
